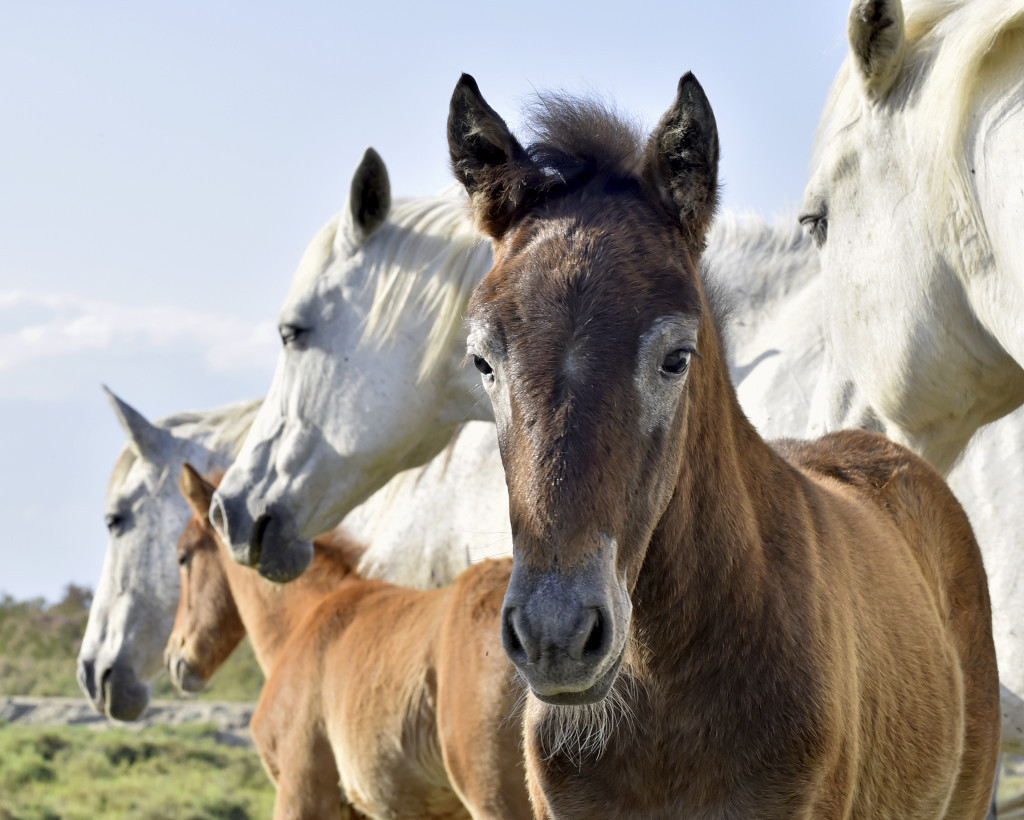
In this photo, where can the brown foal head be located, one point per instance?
(207, 626)
(586, 333)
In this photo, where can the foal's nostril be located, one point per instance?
(510, 638)
(595, 643)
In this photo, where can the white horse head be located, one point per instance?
(370, 381)
(917, 203)
(133, 609)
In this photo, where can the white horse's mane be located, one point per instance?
(949, 45)
(428, 251)
(222, 430)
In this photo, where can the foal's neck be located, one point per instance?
(708, 572)
(271, 612)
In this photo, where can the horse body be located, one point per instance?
(916, 204)
(133, 609)
(402, 696)
(750, 635)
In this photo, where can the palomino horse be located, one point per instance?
(917, 203)
(404, 697)
(133, 608)
(794, 632)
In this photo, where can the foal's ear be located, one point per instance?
(682, 159)
(197, 490)
(489, 162)
(877, 43)
(369, 200)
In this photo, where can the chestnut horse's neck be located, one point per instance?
(271, 612)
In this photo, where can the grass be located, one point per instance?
(164, 773)
(39, 646)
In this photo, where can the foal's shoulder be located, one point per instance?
(858, 458)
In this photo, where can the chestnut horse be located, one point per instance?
(403, 697)
(798, 630)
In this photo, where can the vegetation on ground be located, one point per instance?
(162, 773)
(39, 647)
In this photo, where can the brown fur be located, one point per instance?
(404, 697)
(810, 633)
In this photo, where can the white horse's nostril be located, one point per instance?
(218, 518)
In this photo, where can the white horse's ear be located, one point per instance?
(369, 200)
(877, 42)
(148, 440)
(681, 159)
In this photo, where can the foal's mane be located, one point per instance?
(949, 44)
(222, 430)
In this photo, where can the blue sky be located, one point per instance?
(162, 167)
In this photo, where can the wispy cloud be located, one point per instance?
(39, 326)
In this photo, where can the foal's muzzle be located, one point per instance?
(561, 632)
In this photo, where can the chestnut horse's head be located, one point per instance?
(591, 334)
(207, 626)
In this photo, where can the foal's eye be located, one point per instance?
(292, 335)
(816, 226)
(677, 362)
(114, 523)
(184, 558)
(480, 363)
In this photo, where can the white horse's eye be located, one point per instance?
(114, 522)
(292, 334)
(816, 226)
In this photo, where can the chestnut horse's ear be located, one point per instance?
(197, 490)
(369, 199)
(487, 159)
(682, 159)
(877, 44)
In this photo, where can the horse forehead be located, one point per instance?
(564, 274)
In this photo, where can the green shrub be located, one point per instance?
(77, 773)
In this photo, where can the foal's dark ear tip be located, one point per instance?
(467, 84)
(690, 88)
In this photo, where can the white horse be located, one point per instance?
(416, 536)
(370, 380)
(133, 608)
(917, 204)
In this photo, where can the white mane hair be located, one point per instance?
(761, 261)
(222, 429)
(949, 46)
(428, 251)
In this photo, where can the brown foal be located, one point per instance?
(403, 697)
(710, 626)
